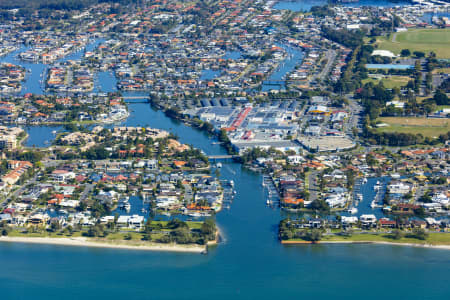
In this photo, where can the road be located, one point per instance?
(313, 187)
(87, 190)
(330, 56)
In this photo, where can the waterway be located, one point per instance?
(305, 5)
(293, 59)
(250, 263)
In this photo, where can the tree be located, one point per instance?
(420, 233)
(405, 52)
(397, 234)
(419, 54)
(314, 235)
(441, 98)
(208, 228)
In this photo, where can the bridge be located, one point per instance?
(222, 157)
(279, 82)
(136, 99)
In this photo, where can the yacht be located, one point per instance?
(195, 214)
(353, 210)
(219, 165)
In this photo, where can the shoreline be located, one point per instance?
(444, 247)
(85, 242)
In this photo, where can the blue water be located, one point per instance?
(105, 82)
(428, 17)
(209, 74)
(36, 72)
(249, 264)
(389, 66)
(233, 55)
(295, 57)
(305, 5)
(41, 136)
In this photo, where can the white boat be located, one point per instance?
(353, 210)
(195, 214)
(364, 181)
(127, 206)
(219, 165)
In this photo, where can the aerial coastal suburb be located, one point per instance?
(184, 131)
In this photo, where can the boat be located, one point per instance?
(195, 214)
(364, 181)
(219, 165)
(353, 210)
(127, 206)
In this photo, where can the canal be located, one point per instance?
(250, 263)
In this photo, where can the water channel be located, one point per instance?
(250, 263)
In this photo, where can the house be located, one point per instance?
(386, 223)
(368, 220)
(62, 175)
(348, 221)
(134, 221)
(38, 219)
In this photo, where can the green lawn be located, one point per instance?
(390, 82)
(425, 40)
(434, 238)
(428, 127)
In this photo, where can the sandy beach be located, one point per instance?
(85, 242)
(445, 247)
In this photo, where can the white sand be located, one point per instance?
(86, 242)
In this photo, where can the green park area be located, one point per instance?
(428, 127)
(424, 40)
(390, 82)
(434, 238)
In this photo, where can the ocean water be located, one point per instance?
(305, 5)
(250, 263)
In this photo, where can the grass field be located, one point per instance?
(426, 126)
(390, 82)
(434, 238)
(424, 40)
(441, 70)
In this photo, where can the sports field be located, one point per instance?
(431, 127)
(425, 40)
(390, 82)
